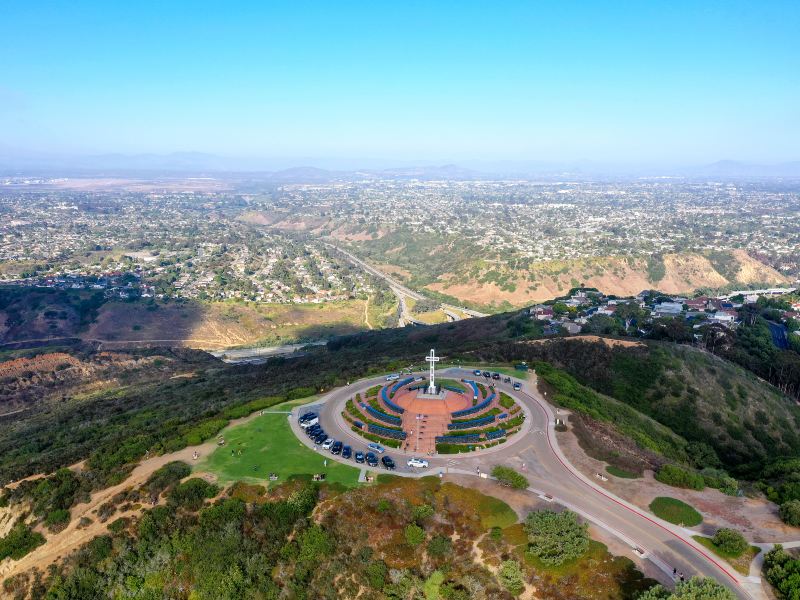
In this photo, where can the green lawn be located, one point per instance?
(621, 473)
(739, 562)
(268, 444)
(675, 511)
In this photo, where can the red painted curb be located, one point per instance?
(628, 508)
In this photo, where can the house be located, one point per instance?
(699, 303)
(723, 316)
(572, 328)
(668, 309)
(541, 312)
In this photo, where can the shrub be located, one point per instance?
(678, 477)
(511, 577)
(415, 535)
(730, 541)
(675, 511)
(510, 477)
(166, 477)
(422, 512)
(783, 572)
(790, 512)
(57, 517)
(439, 546)
(191, 493)
(693, 589)
(555, 538)
(19, 541)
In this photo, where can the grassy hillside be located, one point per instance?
(704, 399)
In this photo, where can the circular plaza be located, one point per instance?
(433, 415)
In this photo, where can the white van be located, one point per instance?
(392, 377)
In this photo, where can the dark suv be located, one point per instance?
(347, 452)
(372, 460)
(388, 463)
(359, 457)
(336, 448)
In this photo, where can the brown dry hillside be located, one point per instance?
(42, 316)
(622, 276)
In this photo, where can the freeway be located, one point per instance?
(398, 288)
(535, 452)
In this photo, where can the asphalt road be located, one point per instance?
(534, 451)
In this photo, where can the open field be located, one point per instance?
(267, 445)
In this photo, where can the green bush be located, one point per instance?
(415, 535)
(508, 476)
(782, 570)
(675, 511)
(422, 512)
(512, 577)
(790, 512)
(555, 538)
(166, 477)
(19, 541)
(57, 517)
(192, 493)
(678, 477)
(439, 546)
(730, 542)
(696, 588)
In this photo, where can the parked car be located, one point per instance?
(371, 459)
(417, 463)
(517, 385)
(320, 438)
(388, 463)
(507, 380)
(326, 445)
(392, 377)
(487, 374)
(307, 416)
(477, 372)
(336, 448)
(359, 457)
(496, 376)
(308, 423)
(347, 452)
(377, 448)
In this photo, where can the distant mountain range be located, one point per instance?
(323, 170)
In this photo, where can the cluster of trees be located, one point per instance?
(782, 570)
(555, 538)
(693, 589)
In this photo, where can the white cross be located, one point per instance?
(432, 359)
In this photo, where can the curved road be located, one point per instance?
(535, 452)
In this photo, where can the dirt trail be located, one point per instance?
(61, 544)
(366, 313)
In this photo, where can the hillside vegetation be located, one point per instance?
(733, 419)
(42, 314)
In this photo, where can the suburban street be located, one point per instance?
(534, 451)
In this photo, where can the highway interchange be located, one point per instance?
(534, 451)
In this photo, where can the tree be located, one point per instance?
(730, 541)
(415, 535)
(511, 577)
(790, 512)
(697, 588)
(555, 538)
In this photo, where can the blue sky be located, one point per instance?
(678, 82)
